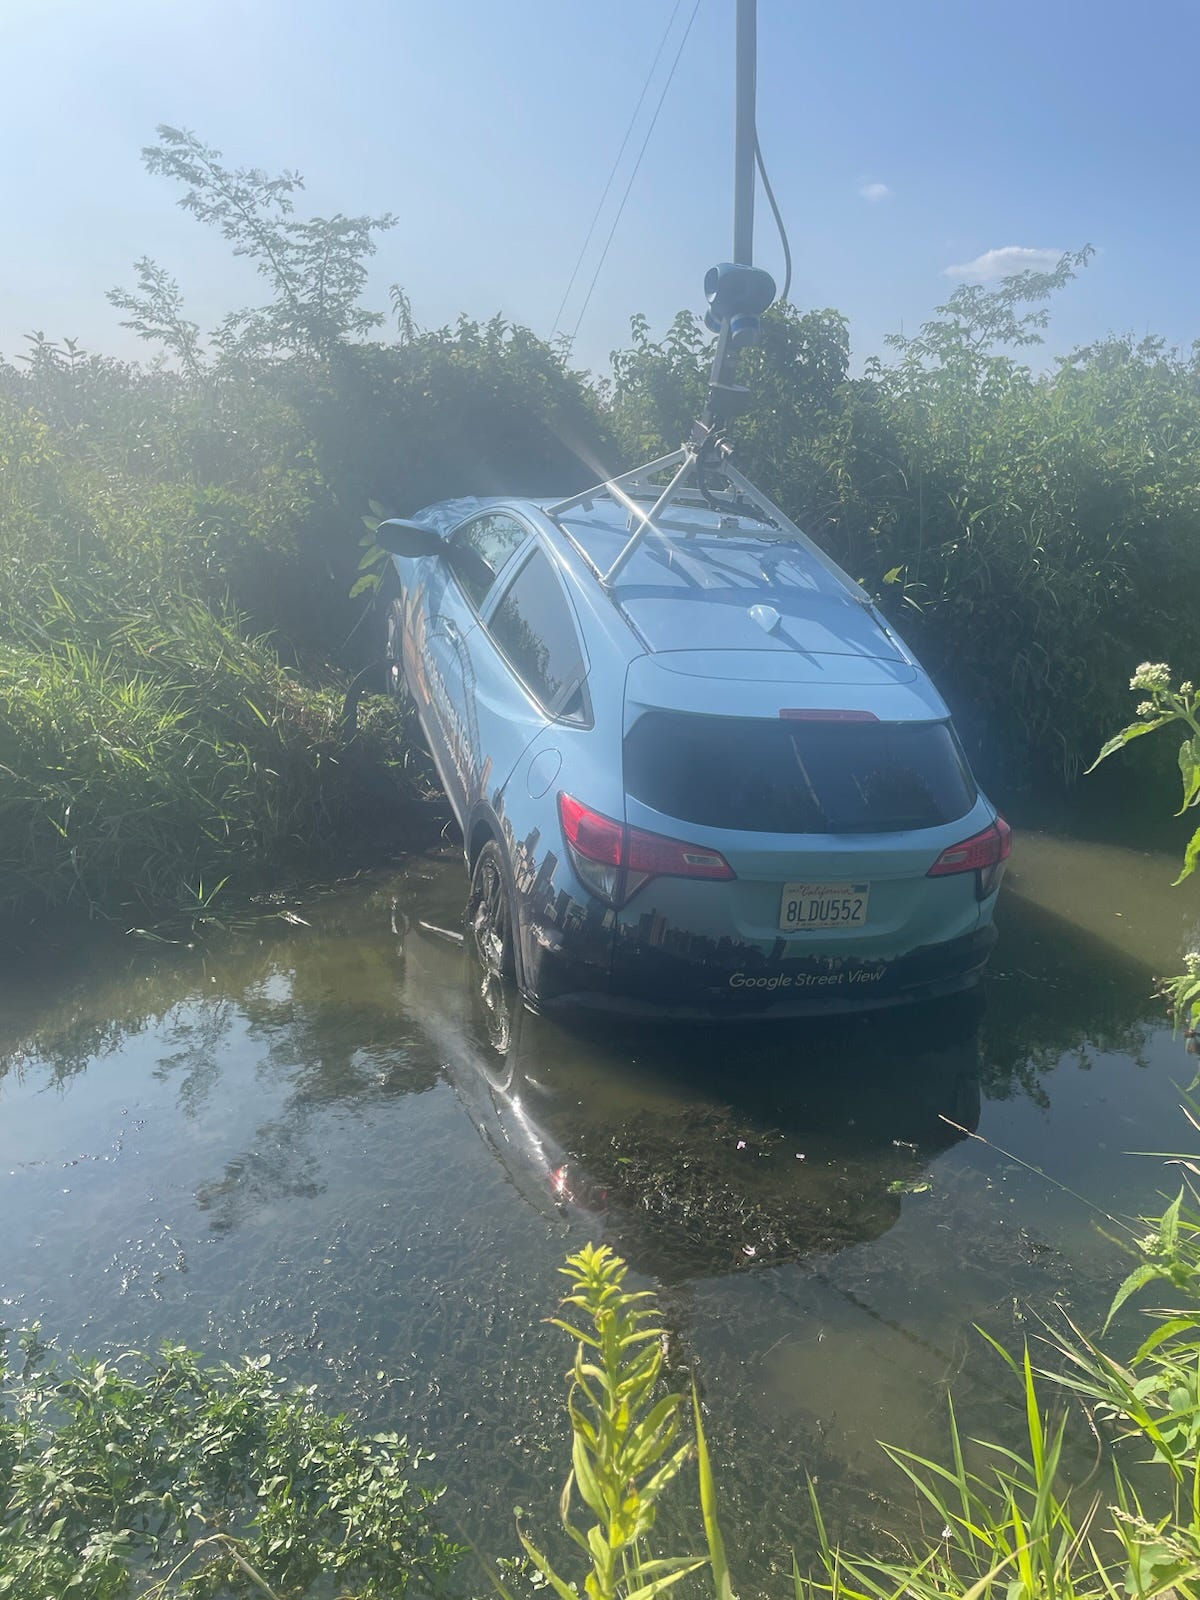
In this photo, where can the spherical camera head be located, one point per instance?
(737, 294)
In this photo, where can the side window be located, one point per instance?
(534, 628)
(477, 552)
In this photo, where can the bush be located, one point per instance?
(168, 1477)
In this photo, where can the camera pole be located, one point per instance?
(745, 138)
(738, 293)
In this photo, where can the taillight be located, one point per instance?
(597, 837)
(984, 853)
(615, 860)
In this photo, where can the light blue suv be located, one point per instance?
(697, 773)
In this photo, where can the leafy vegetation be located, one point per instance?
(130, 752)
(624, 1454)
(178, 547)
(1163, 707)
(167, 1477)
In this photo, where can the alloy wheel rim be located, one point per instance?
(488, 918)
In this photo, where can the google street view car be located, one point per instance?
(696, 771)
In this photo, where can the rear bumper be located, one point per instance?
(646, 981)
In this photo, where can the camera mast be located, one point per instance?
(744, 135)
(738, 293)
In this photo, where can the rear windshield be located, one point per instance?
(779, 776)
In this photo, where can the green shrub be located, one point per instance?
(166, 1476)
(1029, 533)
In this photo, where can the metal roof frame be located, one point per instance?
(688, 461)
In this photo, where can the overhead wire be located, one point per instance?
(615, 166)
(633, 175)
(783, 238)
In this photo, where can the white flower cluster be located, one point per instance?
(1151, 675)
(1191, 963)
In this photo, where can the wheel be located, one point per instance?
(393, 645)
(417, 764)
(497, 1004)
(489, 914)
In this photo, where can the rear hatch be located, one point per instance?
(830, 784)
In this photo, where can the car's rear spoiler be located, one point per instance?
(753, 683)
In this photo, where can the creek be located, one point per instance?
(319, 1135)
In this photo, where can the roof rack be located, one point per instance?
(738, 497)
(737, 294)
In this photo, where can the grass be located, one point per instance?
(175, 751)
(145, 753)
(153, 744)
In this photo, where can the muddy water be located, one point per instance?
(323, 1138)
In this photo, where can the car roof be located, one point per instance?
(722, 581)
(708, 580)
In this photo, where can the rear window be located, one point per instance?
(776, 776)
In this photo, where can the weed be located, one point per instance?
(168, 1477)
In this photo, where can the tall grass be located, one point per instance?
(170, 750)
(990, 1520)
(152, 741)
(177, 551)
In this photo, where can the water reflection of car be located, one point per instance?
(702, 777)
(689, 1170)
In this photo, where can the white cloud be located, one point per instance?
(874, 191)
(993, 264)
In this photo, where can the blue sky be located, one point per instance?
(903, 137)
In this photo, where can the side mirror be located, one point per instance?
(402, 538)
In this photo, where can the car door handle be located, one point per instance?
(451, 629)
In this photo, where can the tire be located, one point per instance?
(489, 916)
(497, 1005)
(424, 771)
(393, 629)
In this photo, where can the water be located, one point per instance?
(324, 1139)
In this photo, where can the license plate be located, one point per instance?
(823, 905)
